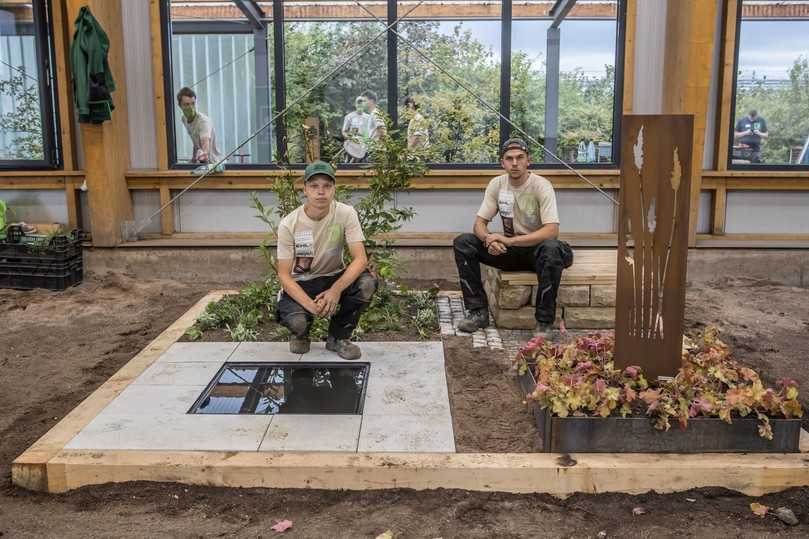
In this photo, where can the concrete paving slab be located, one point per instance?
(263, 351)
(176, 433)
(294, 432)
(192, 352)
(179, 374)
(142, 399)
(406, 433)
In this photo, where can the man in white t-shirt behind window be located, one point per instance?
(527, 205)
(311, 270)
(199, 127)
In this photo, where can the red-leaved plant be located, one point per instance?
(579, 379)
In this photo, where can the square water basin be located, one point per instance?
(285, 388)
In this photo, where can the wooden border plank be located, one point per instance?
(753, 475)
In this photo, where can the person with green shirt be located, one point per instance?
(751, 131)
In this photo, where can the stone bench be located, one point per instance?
(586, 297)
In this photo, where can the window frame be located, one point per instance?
(732, 127)
(279, 139)
(48, 95)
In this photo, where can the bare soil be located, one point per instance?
(56, 348)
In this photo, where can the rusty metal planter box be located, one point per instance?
(638, 435)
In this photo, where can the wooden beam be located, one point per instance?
(727, 73)
(629, 55)
(720, 201)
(64, 86)
(161, 136)
(690, 34)
(167, 215)
(106, 145)
(72, 202)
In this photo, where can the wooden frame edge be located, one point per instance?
(161, 137)
(30, 470)
(751, 474)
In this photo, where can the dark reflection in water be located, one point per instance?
(285, 388)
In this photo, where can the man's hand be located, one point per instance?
(492, 237)
(757, 132)
(328, 301)
(314, 307)
(496, 248)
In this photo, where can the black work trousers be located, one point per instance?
(547, 259)
(353, 302)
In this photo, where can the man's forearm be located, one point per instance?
(481, 229)
(350, 275)
(535, 238)
(294, 290)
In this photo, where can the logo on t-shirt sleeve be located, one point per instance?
(304, 252)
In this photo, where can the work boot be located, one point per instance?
(344, 348)
(299, 345)
(545, 329)
(477, 319)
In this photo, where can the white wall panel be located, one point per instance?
(35, 205)
(767, 212)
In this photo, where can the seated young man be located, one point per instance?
(311, 269)
(527, 205)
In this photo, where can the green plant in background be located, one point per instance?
(24, 122)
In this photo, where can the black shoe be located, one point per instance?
(477, 319)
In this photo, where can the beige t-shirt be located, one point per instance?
(317, 246)
(200, 128)
(523, 210)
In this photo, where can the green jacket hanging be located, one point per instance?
(92, 76)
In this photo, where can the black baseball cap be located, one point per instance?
(514, 144)
(319, 167)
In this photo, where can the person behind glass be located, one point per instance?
(199, 127)
(750, 131)
(355, 131)
(376, 125)
(527, 206)
(313, 276)
(418, 129)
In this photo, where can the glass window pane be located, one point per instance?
(449, 124)
(21, 125)
(586, 79)
(771, 117)
(330, 121)
(214, 53)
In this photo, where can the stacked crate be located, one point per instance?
(40, 261)
(586, 297)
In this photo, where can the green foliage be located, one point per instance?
(580, 379)
(785, 108)
(462, 130)
(25, 121)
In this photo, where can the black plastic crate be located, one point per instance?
(62, 247)
(30, 261)
(53, 277)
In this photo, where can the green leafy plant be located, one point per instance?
(24, 122)
(580, 379)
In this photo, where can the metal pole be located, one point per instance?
(552, 91)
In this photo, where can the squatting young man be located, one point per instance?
(527, 205)
(311, 270)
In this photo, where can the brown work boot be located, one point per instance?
(298, 345)
(344, 348)
(477, 319)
